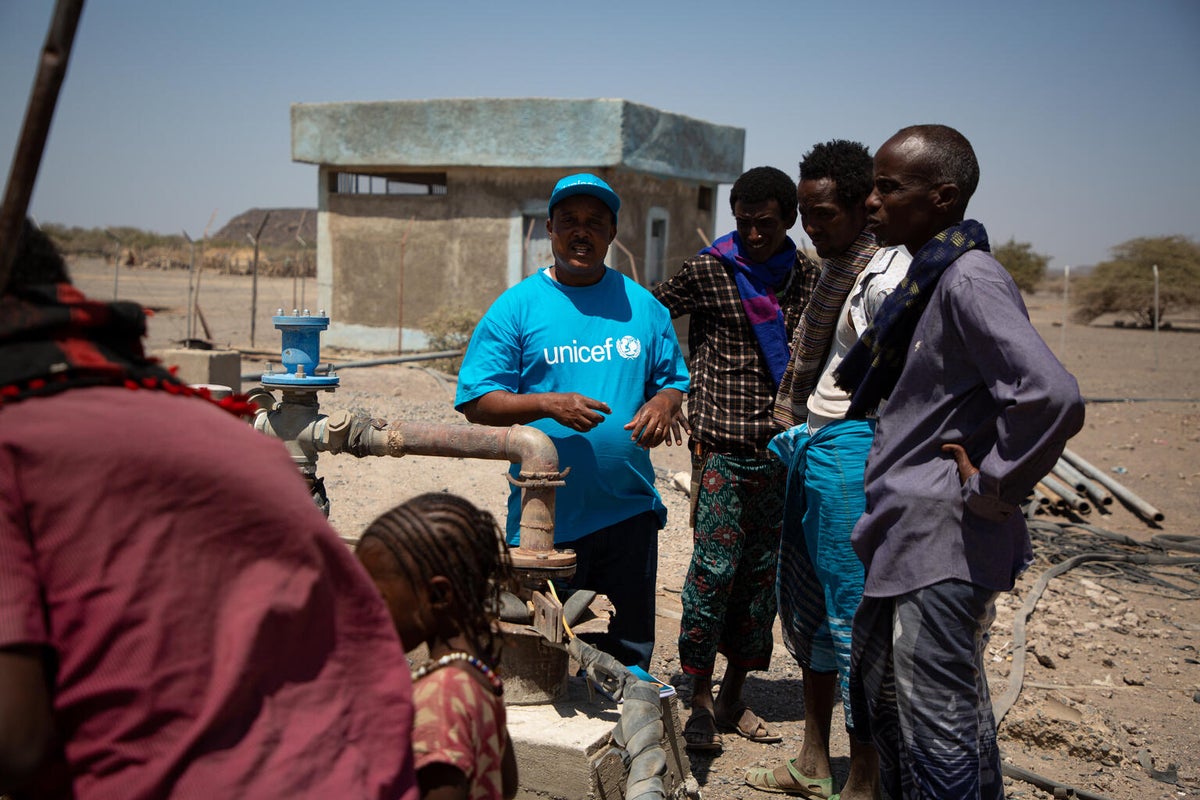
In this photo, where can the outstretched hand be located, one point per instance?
(965, 468)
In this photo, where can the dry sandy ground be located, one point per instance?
(1112, 673)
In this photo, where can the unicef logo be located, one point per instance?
(629, 347)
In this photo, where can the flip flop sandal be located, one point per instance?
(700, 732)
(750, 726)
(817, 788)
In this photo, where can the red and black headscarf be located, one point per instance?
(53, 338)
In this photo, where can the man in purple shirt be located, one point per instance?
(977, 410)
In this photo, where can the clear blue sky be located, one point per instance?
(1085, 114)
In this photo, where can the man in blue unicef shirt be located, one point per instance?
(589, 357)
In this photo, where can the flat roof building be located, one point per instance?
(434, 206)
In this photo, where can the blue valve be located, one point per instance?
(301, 353)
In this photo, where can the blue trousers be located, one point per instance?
(621, 561)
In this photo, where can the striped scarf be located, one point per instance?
(872, 367)
(756, 285)
(814, 333)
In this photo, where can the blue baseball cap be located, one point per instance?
(583, 183)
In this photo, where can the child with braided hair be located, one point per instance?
(440, 564)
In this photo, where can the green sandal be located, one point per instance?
(803, 786)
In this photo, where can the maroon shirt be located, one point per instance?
(213, 637)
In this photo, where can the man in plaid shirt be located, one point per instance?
(744, 294)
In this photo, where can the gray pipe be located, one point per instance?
(411, 358)
(1067, 494)
(1135, 503)
(1053, 498)
(1098, 494)
(1069, 475)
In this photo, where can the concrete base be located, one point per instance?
(565, 752)
(222, 367)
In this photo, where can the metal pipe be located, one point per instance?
(1135, 503)
(379, 362)
(1098, 494)
(518, 444)
(1053, 498)
(1068, 495)
(1068, 475)
(306, 432)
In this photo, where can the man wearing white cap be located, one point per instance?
(589, 357)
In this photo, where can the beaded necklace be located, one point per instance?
(458, 655)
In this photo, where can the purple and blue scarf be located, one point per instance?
(756, 285)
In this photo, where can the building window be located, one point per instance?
(657, 228)
(393, 183)
(704, 198)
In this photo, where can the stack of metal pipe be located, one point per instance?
(1074, 486)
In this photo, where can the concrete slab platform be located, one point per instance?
(565, 751)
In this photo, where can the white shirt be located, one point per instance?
(878, 279)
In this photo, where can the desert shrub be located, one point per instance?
(1026, 267)
(449, 328)
(136, 247)
(1125, 283)
(104, 242)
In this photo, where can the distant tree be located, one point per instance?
(1025, 266)
(1125, 283)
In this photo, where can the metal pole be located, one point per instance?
(52, 69)
(1156, 316)
(295, 277)
(1062, 344)
(116, 260)
(254, 275)
(303, 261)
(199, 272)
(191, 274)
(400, 291)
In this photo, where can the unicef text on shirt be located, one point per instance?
(628, 347)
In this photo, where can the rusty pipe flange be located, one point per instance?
(539, 480)
(535, 568)
(524, 558)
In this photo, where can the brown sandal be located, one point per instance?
(700, 733)
(748, 724)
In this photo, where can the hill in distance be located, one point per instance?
(280, 231)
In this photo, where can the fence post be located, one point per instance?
(116, 260)
(1156, 316)
(191, 274)
(254, 275)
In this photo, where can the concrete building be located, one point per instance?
(429, 206)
